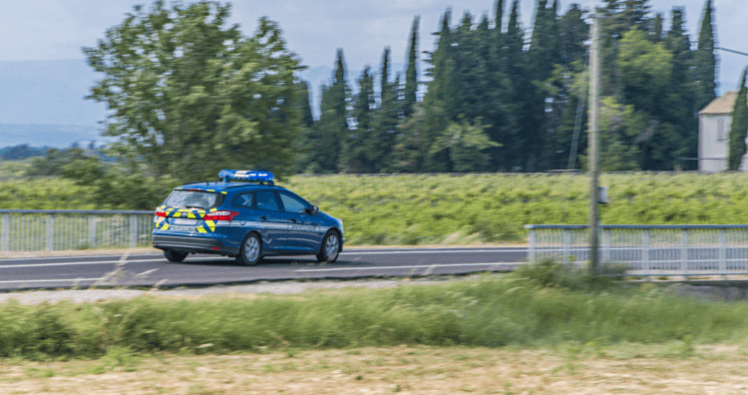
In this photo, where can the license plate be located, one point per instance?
(182, 221)
(179, 228)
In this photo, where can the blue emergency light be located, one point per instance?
(245, 175)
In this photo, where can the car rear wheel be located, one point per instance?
(251, 251)
(330, 248)
(174, 256)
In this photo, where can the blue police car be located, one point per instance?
(245, 216)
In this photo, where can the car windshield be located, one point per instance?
(192, 199)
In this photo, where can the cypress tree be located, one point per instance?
(657, 28)
(439, 98)
(705, 61)
(305, 107)
(411, 73)
(385, 71)
(739, 127)
(678, 106)
(357, 151)
(499, 17)
(333, 124)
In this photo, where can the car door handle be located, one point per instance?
(293, 220)
(264, 218)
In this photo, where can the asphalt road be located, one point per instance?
(203, 270)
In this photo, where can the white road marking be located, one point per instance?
(406, 267)
(95, 263)
(48, 281)
(427, 252)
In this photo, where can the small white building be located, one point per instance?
(715, 121)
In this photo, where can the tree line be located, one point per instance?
(189, 94)
(504, 98)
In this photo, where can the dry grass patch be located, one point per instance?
(630, 369)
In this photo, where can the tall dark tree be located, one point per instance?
(304, 106)
(358, 155)
(387, 117)
(332, 127)
(411, 73)
(705, 60)
(678, 107)
(739, 128)
(440, 96)
(384, 71)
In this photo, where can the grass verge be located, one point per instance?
(546, 307)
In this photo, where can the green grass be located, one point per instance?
(432, 209)
(491, 311)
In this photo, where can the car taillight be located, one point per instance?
(160, 213)
(220, 216)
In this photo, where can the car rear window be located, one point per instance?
(193, 199)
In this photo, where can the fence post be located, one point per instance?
(645, 253)
(606, 248)
(567, 245)
(50, 232)
(5, 233)
(133, 231)
(532, 245)
(722, 252)
(92, 232)
(684, 252)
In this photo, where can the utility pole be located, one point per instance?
(594, 141)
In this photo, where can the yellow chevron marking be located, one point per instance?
(190, 215)
(165, 227)
(224, 192)
(177, 214)
(213, 210)
(200, 229)
(210, 190)
(211, 225)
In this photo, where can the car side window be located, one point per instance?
(292, 204)
(244, 200)
(266, 201)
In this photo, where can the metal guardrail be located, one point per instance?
(647, 250)
(53, 230)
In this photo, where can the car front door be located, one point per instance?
(271, 220)
(302, 232)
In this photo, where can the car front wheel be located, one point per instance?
(251, 251)
(330, 248)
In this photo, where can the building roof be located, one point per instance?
(721, 105)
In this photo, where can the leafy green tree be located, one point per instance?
(408, 153)
(705, 61)
(645, 69)
(465, 142)
(190, 95)
(411, 73)
(739, 128)
(619, 126)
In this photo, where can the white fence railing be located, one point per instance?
(647, 250)
(53, 230)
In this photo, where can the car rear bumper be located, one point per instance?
(193, 244)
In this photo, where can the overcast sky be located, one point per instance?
(57, 29)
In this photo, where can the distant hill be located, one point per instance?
(54, 136)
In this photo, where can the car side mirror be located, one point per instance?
(313, 210)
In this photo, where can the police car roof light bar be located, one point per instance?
(246, 175)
